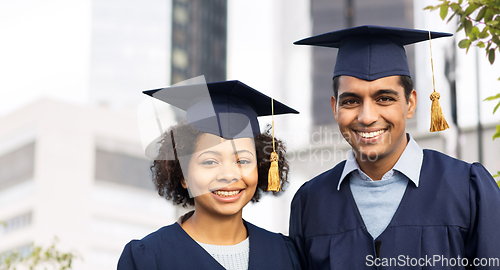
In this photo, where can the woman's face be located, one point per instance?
(222, 174)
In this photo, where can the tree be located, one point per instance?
(480, 20)
(39, 258)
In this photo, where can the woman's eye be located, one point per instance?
(243, 161)
(209, 162)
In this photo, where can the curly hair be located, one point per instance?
(167, 172)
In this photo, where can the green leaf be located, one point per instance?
(474, 33)
(460, 27)
(498, 183)
(431, 8)
(497, 96)
(460, 2)
(456, 7)
(480, 44)
(451, 17)
(484, 33)
(496, 107)
(468, 27)
(488, 16)
(497, 134)
(481, 13)
(472, 7)
(491, 56)
(496, 40)
(443, 10)
(464, 43)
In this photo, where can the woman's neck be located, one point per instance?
(216, 229)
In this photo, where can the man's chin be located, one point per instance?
(370, 156)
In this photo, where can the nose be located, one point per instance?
(229, 172)
(368, 114)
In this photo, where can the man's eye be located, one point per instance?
(386, 99)
(349, 102)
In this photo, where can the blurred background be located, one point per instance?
(71, 75)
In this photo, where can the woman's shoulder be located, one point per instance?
(143, 254)
(155, 241)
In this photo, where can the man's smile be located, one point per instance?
(371, 134)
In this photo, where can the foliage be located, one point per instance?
(39, 258)
(482, 29)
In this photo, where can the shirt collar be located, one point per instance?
(409, 163)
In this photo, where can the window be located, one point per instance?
(123, 169)
(17, 166)
(16, 223)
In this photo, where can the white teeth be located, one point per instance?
(224, 193)
(370, 134)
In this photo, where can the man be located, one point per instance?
(391, 205)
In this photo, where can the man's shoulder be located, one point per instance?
(433, 157)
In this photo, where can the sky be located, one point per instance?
(46, 52)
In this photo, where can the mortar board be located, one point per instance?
(371, 52)
(228, 109)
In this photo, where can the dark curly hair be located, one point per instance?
(167, 172)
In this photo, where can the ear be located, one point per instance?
(412, 104)
(333, 103)
(184, 183)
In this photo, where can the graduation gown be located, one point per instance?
(172, 248)
(453, 213)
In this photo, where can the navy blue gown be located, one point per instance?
(172, 248)
(453, 214)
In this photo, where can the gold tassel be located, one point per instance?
(273, 177)
(438, 123)
(273, 183)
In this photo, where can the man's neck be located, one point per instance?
(376, 169)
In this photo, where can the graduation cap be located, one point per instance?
(372, 52)
(228, 109)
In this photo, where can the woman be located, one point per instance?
(217, 161)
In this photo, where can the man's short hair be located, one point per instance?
(404, 81)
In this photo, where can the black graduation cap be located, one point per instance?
(228, 109)
(371, 52)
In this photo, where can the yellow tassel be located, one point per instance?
(438, 123)
(273, 177)
(273, 183)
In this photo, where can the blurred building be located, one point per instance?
(78, 174)
(199, 39)
(72, 165)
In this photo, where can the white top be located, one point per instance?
(232, 257)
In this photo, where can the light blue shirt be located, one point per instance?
(377, 201)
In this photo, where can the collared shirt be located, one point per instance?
(377, 201)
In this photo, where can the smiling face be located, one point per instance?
(372, 117)
(222, 174)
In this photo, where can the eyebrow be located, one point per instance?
(377, 93)
(219, 154)
(244, 151)
(386, 91)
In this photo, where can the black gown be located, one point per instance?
(172, 248)
(453, 214)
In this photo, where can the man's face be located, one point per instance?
(372, 116)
